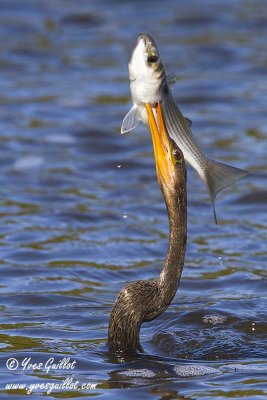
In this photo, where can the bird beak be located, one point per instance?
(161, 144)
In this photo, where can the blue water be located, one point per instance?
(82, 215)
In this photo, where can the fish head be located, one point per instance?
(145, 63)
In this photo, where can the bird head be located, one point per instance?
(170, 165)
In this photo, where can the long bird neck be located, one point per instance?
(142, 300)
(173, 266)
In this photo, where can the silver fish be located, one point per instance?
(150, 84)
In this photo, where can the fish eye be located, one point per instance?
(152, 59)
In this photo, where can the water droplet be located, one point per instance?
(124, 215)
(119, 166)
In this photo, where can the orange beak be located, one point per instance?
(161, 144)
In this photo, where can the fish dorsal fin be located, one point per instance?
(131, 120)
(189, 122)
(171, 79)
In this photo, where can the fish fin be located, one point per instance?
(171, 79)
(219, 176)
(131, 120)
(189, 122)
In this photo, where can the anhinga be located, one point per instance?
(145, 300)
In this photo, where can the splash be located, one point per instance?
(194, 370)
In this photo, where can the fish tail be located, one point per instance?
(219, 176)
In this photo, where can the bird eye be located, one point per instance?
(152, 59)
(177, 154)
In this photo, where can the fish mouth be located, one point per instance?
(147, 38)
(149, 42)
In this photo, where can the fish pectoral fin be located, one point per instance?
(131, 120)
(189, 122)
